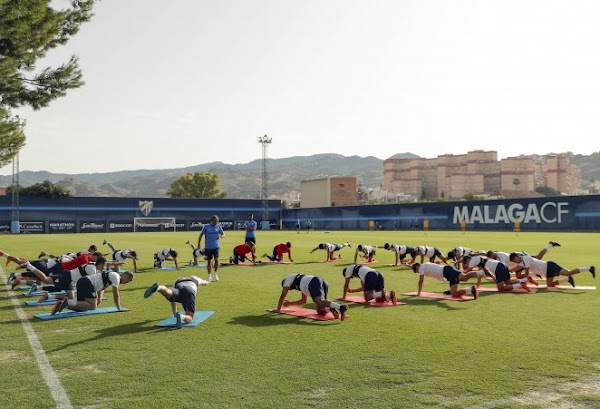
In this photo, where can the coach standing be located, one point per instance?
(250, 229)
(213, 232)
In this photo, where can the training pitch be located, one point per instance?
(500, 351)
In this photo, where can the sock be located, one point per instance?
(6, 255)
(51, 297)
(562, 280)
(378, 294)
(516, 286)
(71, 303)
(584, 269)
(480, 273)
(548, 247)
(334, 306)
(29, 267)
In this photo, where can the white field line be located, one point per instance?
(48, 373)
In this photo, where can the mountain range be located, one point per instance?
(243, 181)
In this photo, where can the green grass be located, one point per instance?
(499, 351)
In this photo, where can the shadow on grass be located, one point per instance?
(124, 329)
(444, 304)
(272, 319)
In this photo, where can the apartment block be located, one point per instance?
(478, 173)
(329, 192)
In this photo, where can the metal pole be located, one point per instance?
(264, 141)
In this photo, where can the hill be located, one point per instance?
(242, 181)
(239, 180)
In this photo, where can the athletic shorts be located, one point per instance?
(211, 253)
(63, 280)
(85, 289)
(250, 239)
(374, 281)
(184, 293)
(502, 273)
(317, 287)
(452, 275)
(553, 269)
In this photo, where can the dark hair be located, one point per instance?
(513, 256)
(415, 267)
(451, 254)
(173, 253)
(133, 253)
(93, 248)
(359, 247)
(288, 244)
(322, 246)
(386, 246)
(100, 260)
(490, 254)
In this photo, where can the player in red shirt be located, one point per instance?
(278, 252)
(239, 253)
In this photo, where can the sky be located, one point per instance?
(170, 84)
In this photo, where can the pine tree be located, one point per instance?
(28, 30)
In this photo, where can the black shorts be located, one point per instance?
(211, 253)
(374, 281)
(553, 269)
(250, 239)
(317, 287)
(184, 293)
(85, 289)
(502, 273)
(452, 275)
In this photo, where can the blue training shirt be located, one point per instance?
(211, 234)
(251, 233)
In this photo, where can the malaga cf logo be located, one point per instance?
(146, 206)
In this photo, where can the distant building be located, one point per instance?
(329, 192)
(478, 173)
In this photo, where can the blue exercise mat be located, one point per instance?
(172, 268)
(200, 265)
(40, 293)
(47, 302)
(69, 314)
(199, 316)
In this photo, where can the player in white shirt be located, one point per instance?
(449, 274)
(518, 267)
(184, 292)
(167, 254)
(549, 270)
(196, 254)
(330, 249)
(457, 254)
(120, 256)
(400, 252)
(90, 289)
(496, 269)
(314, 287)
(372, 284)
(368, 252)
(427, 251)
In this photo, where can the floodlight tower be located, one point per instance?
(15, 226)
(264, 141)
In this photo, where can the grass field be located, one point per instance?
(500, 351)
